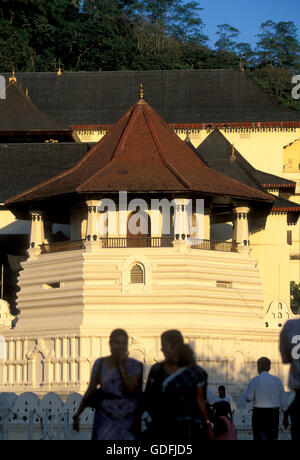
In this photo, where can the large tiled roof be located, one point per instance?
(24, 166)
(179, 96)
(141, 153)
(18, 114)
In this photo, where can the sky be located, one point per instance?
(247, 16)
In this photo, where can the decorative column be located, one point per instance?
(181, 222)
(241, 228)
(37, 234)
(92, 238)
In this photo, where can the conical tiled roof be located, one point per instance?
(141, 154)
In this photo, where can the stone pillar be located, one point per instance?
(92, 237)
(37, 234)
(181, 221)
(241, 228)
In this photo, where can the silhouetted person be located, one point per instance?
(223, 424)
(267, 394)
(175, 395)
(290, 354)
(222, 398)
(120, 378)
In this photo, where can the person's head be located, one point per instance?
(118, 342)
(221, 391)
(263, 364)
(185, 356)
(170, 342)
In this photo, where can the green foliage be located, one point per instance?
(227, 38)
(278, 45)
(14, 48)
(277, 83)
(94, 35)
(295, 297)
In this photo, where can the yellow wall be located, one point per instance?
(270, 248)
(291, 158)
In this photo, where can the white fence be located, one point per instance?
(27, 417)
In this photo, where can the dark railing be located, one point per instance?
(138, 242)
(210, 245)
(62, 246)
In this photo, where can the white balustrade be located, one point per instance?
(28, 417)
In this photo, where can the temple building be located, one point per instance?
(177, 210)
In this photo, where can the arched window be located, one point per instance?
(137, 275)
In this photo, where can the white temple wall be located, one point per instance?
(62, 330)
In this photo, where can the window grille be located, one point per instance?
(224, 284)
(137, 274)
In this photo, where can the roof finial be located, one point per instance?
(26, 93)
(13, 77)
(232, 157)
(241, 67)
(141, 100)
(59, 68)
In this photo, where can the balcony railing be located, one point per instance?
(210, 245)
(140, 242)
(62, 246)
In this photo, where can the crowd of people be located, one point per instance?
(176, 404)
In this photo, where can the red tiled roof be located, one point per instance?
(141, 153)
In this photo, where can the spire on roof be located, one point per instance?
(241, 67)
(13, 77)
(232, 157)
(26, 93)
(59, 68)
(141, 100)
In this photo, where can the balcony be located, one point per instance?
(139, 242)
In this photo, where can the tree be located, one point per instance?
(245, 52)
(46, 28)
(278, 45)
(15, 51)
(106, 40)
(164, 29)
(227, 38)
(185, 25)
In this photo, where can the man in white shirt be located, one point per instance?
(290, 354)
(267, 394)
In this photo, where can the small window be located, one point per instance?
(289, 237)
(224, 284)
(137, 274)
(52, 285)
